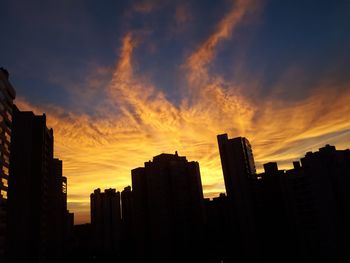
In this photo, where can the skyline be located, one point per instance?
(112, 110)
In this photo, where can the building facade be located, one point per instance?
(30, 188)
(127, 220)
(7, 95)
(106, 221)
(240, 177)
(168, 209)
(319, 204)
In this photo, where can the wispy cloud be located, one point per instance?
(199, 60)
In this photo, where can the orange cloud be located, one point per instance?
(199, 60)
(141, 123)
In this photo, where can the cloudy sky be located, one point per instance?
(123, 81)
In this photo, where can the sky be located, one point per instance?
(123, 81)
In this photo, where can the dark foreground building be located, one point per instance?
(305, 210)
(37, 203)
(240, 176)
(219, 230)
(167, 210)
(127, 220)
(271, 213)
(298, 215)
(7, 95)
(318, 199)
(106, 222)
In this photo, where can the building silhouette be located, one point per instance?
(237, 162)
(127, 221)
(239, 172)
(305, 209)
(61, 221)
(219, 229)
(168, 210)
(83, 246)
(106, 221)
(272, 215)
(36, 202)
(7, 95)
(319, 204)
(67, 221)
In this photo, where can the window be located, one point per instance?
(5, 170)
(64, 187)
(7, 159)
(6, 147)
(8, 137)
(9, 116)
(4, 182)
(4, 194)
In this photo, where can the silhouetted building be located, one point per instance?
(31, 191)
(168, 210)
(239, 175)
(67, 220)
(219, 229)
(319, 204)
(106, 221)
(272, 215)
(68, 235)
(60, 218)
(127, 218)
(83, 244)
(7, 95)
(237, 162)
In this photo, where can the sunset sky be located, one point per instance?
(123, 81)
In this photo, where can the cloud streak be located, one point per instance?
(198, 61)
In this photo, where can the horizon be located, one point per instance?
(123, 82)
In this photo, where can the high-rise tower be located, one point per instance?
(239, 175)
(106, 220)
(237, 162)
(7, 95)
(30, 188)
(168, 208)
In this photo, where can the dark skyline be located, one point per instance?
(121, 81)
(163, 216)
(298, 215)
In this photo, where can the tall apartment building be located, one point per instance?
(106, 221)
(30, 188)
(58, 215)
(7, 95)
(168, 209)
(319, 201)
(127, 219)
(240, 176)
(272, 216)
(237, 163)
